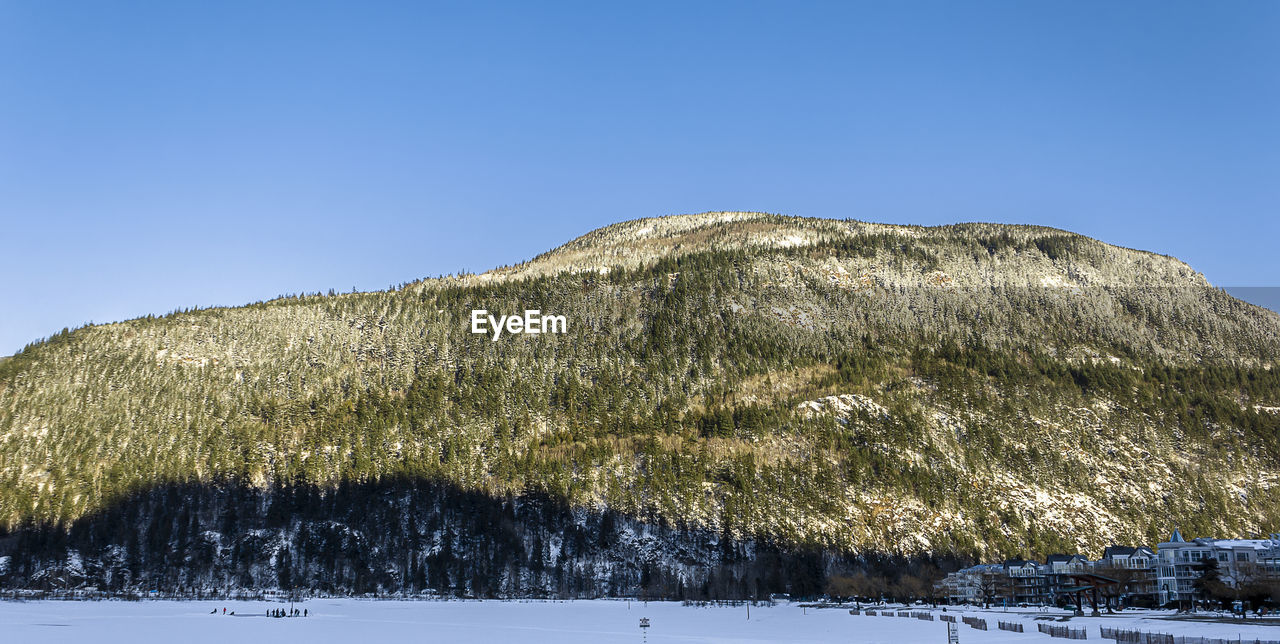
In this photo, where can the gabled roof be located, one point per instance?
(1118, 551)
(1055, 558)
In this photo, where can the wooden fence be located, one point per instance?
(1065, 632)
(1139, 637)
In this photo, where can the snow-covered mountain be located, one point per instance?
(742, 403)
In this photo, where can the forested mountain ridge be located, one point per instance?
(736, 378)
(634, 243)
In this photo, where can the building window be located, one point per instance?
(1222, 556)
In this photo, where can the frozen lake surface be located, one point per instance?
(353, 620)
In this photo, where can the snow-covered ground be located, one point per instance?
(351, 620)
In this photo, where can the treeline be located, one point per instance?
(401, 535)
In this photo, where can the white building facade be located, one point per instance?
(1179, 563)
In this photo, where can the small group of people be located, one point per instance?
(274, 612)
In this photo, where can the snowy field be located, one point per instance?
(351, 620)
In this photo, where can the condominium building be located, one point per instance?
(1127, 573)
(1239, 561)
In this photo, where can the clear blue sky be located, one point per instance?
(171, 154)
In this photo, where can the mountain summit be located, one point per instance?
(636, 243)
(733, 389)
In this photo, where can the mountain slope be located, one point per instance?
(975, 389)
